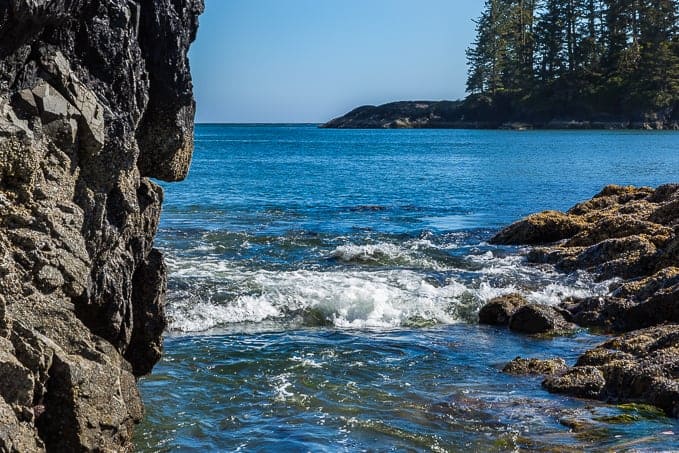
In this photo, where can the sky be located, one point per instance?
(307, 61)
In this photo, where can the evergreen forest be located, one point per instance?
(533, 59)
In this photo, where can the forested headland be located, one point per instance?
(558, 64)
(576, 58)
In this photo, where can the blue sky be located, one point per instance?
(311, 60)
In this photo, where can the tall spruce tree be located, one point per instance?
(655, 83)
(609, 56)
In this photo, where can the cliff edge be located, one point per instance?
(95, 98)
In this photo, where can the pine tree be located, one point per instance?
(551, 37)
(578, 55)
(656, 79)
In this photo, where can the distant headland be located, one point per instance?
(558, 65)
(479, 113)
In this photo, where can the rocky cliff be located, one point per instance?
(95, 98)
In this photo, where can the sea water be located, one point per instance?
(324, 287)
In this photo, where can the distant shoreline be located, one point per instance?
(467, 115)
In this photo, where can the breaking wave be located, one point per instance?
(416, 283)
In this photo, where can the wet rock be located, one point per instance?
(602, 311)
(83, 85)
(543, 228)
(520, 366)
(623, 232)
(629, 234)
(582, 382)
(149, 317)
(640, 366)
(498, 310)
(535, 319)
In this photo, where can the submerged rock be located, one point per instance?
(83, 87)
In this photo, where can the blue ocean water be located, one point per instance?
(324, 286)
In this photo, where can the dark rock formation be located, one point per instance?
(631, 234)
(535, 318)
(499, 310)
(625, 232)
(404, 115)
(520, 366)
(478, 113)
(583, 382)
(642, 365)
(95, 96)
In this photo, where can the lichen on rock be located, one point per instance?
(632, 235)
(83, 85)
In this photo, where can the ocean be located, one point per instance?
(324, 288)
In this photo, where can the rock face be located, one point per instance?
(95, 97)
(631, 234)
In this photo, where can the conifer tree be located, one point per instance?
(603, 55)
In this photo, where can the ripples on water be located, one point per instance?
(324, 288)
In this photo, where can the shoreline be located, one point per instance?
(626, 233)
(459, 115)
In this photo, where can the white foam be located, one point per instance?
(205, 315)
(408, 254)
(554, 293)
(367, 253)
(352, 299)
(280, 385)
(232, 293)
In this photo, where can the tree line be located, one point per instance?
(577, 57)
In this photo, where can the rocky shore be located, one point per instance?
(95, 99)
(469, 114)
(629, 236)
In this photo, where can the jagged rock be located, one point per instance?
(583, 382)
(16, 381)
(623, 232)
(638, 366)
(499, 310)
(535, 318)
(603, 311)
(83, 85)
(543, 228)
(520, 366)
(632, 234)
(16, 436)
